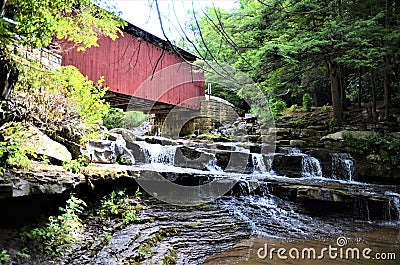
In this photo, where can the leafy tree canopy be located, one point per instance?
(38, 22)
(291, 47)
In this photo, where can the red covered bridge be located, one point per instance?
(131, 66)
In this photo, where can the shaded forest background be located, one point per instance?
(339, 53)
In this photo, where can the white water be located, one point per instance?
(212, 166)
(257, 208)
(311, 167)
(159, 155)
(259, 164)
(342, 166)
(291, 150)
(394, 205)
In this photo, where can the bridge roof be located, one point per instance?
(159, 42)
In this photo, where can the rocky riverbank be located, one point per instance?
(312, 178)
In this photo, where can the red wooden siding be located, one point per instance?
(129, 61)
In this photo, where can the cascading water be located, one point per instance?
(212, 166)
(290, 150)
(394, 206)
(159, 154)
(164, 157)
(311, 167)
(342, 166)
(395, 203)
(259, 164)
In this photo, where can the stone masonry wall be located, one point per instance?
(212, 114)
(47, 58)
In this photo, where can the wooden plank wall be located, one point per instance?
(128, 64)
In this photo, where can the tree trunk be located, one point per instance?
(386, 91)
(2, 6)
(359, 87)
(335, 90)
(374, 113)
(386, 60)
(342, 84)
(8, 78)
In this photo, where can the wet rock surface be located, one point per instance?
(310, 193)
(20, 183)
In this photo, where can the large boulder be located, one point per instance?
(232, 161)
(289, 165)
(108, 151)
(36, 141)
(192, 158)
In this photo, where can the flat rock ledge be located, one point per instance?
(49, 179)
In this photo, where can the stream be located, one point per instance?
(309, 209)
(287, 207)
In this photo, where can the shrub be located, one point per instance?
(307, 101)
(75, 165)
(11, 152)
(4, 256)
(54, 100)
(114, 119)
(133, 119)
(118, 205)
(59, 230)
(387, 148)
(276, 105)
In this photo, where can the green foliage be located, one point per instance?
(117, 204)
(133, 119)
(24, 254)
(78, 21)
(4, 256)
(307, 101)
(170, 257)
(298, 122)
(12, 155)
(326, 108)
(59, 230)
(333, 125)
(277, 105)
(285, 46)
(388, 148)
(55, 99)
(44, 160)
(75, 165)
(146, 246)
(116, 118)
(83, 93)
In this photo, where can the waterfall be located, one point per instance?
(259, 164)
(212, 166)
(394, 206)
(311, 167)
(159, 154)
(290, 150)
(342, 166)
(263, 189)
